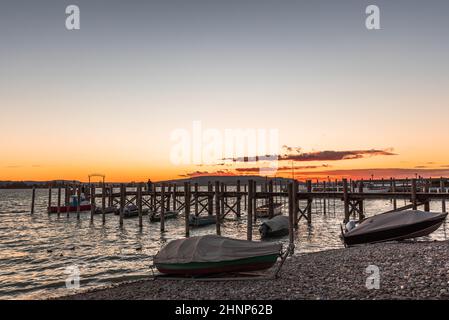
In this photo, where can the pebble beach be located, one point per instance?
(407, 270)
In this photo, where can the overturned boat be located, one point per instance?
(264, 211)
(399, 225)
(107, 210)
(275, 227)
(131, 211)
(167, 215)
(199, 221)
(211, 254)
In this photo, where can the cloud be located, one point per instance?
(294, 154)
(205, 173)
(283, 168)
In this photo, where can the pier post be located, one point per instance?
(249, 223)
(175, 187)
(414, 194)
(245, 197)
(153, 198)
(92, 202)
(442, 190)
(33, 198)
(196, 198)
(187, 208)
(210, 199)
(291, 208)
(49, 199)
(324, 198)
(59, 202)
(163, 207)
(254, 198)
(295, 203)
(426, 190)
(103, 204)
(346, 200)
(239, 199)
(222, 199)
(361, 207)
(270, 199)
(393, 189)
(78, 202)
(217, 207)
(168, 197)
(309, 201)
(139, 203)
(122, 202)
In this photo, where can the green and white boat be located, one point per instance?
(213, 254)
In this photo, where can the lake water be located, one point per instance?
(35, 251)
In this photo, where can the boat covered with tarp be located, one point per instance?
(212, 254)
(274, 227)
(398, 225)
(264, 210)
(199, 221)
(156, 217)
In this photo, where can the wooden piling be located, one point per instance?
(270, 199)
(413, 195)
(291, 208)
(427, 184)
(122, 203)
(295, 203)
(361, 207)
(346, 200)
(139, 203)
(163, 207)
(325, 199)
(78, 202)
(309, 202)
(254, 198)
(103, 204)
(239, 199)
(92, 202)
(442, 190)
(187, 208)
(49, 199)
(217, 207)
(175, 205)
(249, 224)
(210, 199)
(393, 189)
(33, 198)
(59, 202)
(195, 195)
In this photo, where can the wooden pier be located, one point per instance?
(223, 200)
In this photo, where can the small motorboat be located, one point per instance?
(107, 210)
(84, 205)
(199, 221)
(399, 225)
(212, 254)
(167, 215)
(275, 227)
(264, 211)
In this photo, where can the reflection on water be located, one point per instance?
(36, 250)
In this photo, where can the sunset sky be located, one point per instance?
(345, 101)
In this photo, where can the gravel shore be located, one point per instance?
(415, 270)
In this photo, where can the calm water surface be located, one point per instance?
(35, 251)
